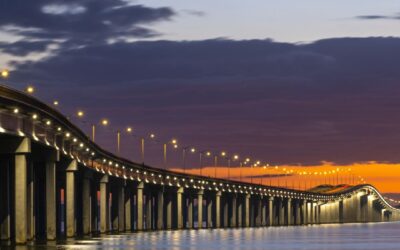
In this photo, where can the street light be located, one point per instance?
(151, 136)
(30, 89)
(103, 122)
(5, 73)
(175, 145)
(208, 154)
(192, 150)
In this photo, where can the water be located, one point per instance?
(382, 236)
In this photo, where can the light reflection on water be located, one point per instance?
(382, 236)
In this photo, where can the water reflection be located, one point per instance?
(326, 237)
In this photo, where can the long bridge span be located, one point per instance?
(56, 182)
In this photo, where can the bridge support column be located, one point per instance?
(190, 212)
(264, 212)
(86, 203)
(209, 213)
(160, 209)
(168, 209)
(270, 211)
(281, 212)
(247, 210)
(240, 212)
(304, 210)
(257, 212)
(121, 207)
(128, 207)
(233, 211)
(5, 206)
(149, 206)
(19, 148)
(225, 211)
(289, 211)
(179, 202)
(104, 205)
(200, 209)
(70, 198)
(218, 210)
(51, 204)
(139, 204)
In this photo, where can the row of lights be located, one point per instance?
(31, 90)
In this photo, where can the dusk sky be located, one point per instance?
(286, 82)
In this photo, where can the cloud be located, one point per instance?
(79, 23)
(332, 99)
(378, 17)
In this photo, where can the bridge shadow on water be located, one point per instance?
(365, 236)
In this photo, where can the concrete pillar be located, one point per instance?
(21, 148)
(128, 207)
(289, 211)
(31, 203)
(190, 212)
(218, 209)
(225, 208)
(297, 212)
(209, 213)
(240, 212)
(247, 210)
(233, 214)
(168, 209)
(258, 213)
(5, 206)
(104, 205)
(121, 208)
(270, 211)
(200, 209)
(179, 211)
(160, 209)
(149, 205)
(51, 204)
(281, 212)
(86, 203)
(263, 212)
(139, 204)
(70, 198)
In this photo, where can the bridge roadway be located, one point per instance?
(56, 183)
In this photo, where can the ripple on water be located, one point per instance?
(370, 236)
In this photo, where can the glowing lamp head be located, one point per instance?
(55, 103)
(235, 157)
(223, 153)
(152, 136)
(104, 122)
(176, 146)
(16, 111)
(129, 130)
(208, 153)
(34, 116)
(4, 73)
(80, 113)
(174, 141)
(192, 150)
(30, 89)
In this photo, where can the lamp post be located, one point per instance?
(173, 142)
(192, 150)
(208, 154)
(103, 122)
(151, 136)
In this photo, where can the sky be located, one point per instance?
(289, 83)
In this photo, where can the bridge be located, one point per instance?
(57, 183)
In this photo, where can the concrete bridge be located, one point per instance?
(56, 183)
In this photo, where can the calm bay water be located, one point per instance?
(382, 236)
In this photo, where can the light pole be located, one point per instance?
(174, 142)
(103, 122)
(192, 150)
(151, 136)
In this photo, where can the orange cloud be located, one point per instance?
(384, 176)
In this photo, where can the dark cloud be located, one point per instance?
(377, 17)
(334, 99)
(23, 48)
(79, 22)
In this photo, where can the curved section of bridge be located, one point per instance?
(57, 183)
